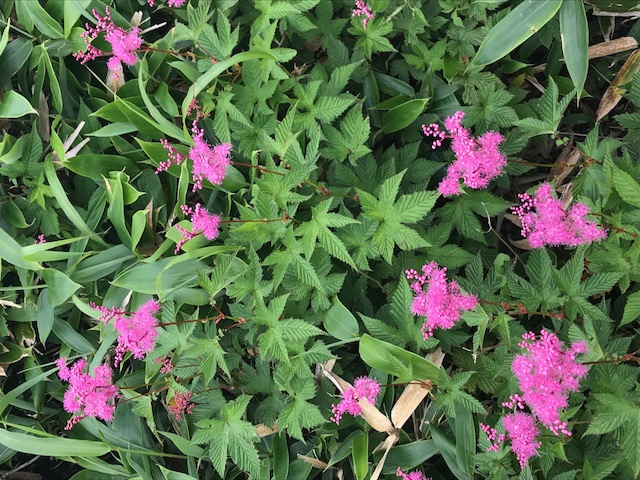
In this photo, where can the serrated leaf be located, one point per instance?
(626, 187)
(631, 309)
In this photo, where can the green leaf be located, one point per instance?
(409, 456)
(11, 251)
(626, 187)
(448, 452)
(4, 39)
(40, 18)
(574, 32)
(280, 456)
(173, 475)
(68, 335)
(64, 202)
(465, 434)
(510, 32)
(205, 80)
(99, 165)
(184, 445)
(13, 58)
(360, 454)
(73, 10)
(60, 286)
(115, 212)
(402, 115)
(631, 440)
(14, 105)
(339, 322)
(228, 435)
(52, 446)
(631, 309)
(384, 356)
(391, 230)
(169, 272)
(45, 315)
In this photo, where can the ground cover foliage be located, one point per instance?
(214, 217)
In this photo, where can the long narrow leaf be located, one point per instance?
(52, 446)
(510, 32)
(574, 31)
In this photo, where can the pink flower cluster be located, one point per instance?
(136, 333)
(492, 436)
(415, 475)
(550, 224)
(442, 303)
(167, 364)
(180, 404)
(522, 430)
(363, 387)
(123, 44)
(478, 160)
(87, 396)
(201, 222)
(546, 375)
(170, 3)
(210, 163)
(362, 9)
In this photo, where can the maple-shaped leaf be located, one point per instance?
(318, 229)
(230, 436)
(392, 215)
(298, 413)
(550, 109)
(292, 258)
(273, 341)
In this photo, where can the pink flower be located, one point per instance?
(546, 375)
(87, 396)
(362, 9)
(201, 222)
(415, 475)
(180, 404)
(522, 431)
(136, 333)
(363, 387)
(123, 44)
(210, 163)
(550, 224)
(442, 303)
(170, 3)
(493, 436)
(478, 161)
(167, 365)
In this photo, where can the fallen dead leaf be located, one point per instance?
(413, 394)
(614, 93)
(264, 431)
(603, 49)
(374, 417)
(314, 462)
(387, 444)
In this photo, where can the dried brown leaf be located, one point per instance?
(370, 413)
(567, 159)
(314, 462)
(614, 93)
(264, 431)
(387, 444)
(603, 49)
(413, 394)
